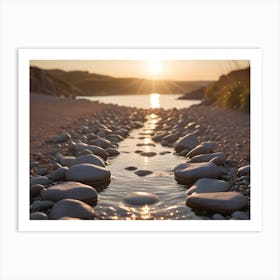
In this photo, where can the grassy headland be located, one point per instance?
(231, 91)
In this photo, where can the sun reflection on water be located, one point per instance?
(154, 100)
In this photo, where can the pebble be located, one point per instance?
(140, 198)
(203, 148)
(170, 138)
(34, 164)
(148, 154)
(187, 142)
(41, 180)
(38, 216)
(131, 168)
(158, 136)
(218, 216)
(74, 190)
(101, 142)
(221, 202)
(56, 165)
(64, 137)
(69, 218)
(239, 215)
(208, 157)
(93, 148)
(112, 152)
(217, 160)
(41, 171)
(66, 161)
(71, 208)
(188, 173)
(90, 158)
(244, 170)
(58, 174)
(88, 174)
(147, 144)
(206, 185)
(84, 152)
(164, 152)
(142, 173)
(35, 189)
(39, 205)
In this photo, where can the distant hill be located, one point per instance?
(83, 83)
(42, 82)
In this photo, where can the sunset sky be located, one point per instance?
(182, 70)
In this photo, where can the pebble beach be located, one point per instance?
(76, 145)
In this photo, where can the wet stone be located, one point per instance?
(148, 154)
(140, 199)
(142, 173)
(147, 144)
(131, 168)
(164, 153)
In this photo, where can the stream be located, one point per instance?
(171, 196)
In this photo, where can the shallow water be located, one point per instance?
(161, 182)
(153, 100)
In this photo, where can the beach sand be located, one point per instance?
(50, 115)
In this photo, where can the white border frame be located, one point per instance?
(24, 57)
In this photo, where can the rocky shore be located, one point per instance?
(72, 141)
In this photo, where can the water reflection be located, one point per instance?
(154, 100)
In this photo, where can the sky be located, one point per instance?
(180, 70)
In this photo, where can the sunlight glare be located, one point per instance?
(145, 212)
(154, 100)
(155, 67)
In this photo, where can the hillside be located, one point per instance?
(42, 82)
(83, 83)
(194, 94)
(230, 91)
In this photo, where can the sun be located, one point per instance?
(155, 67)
